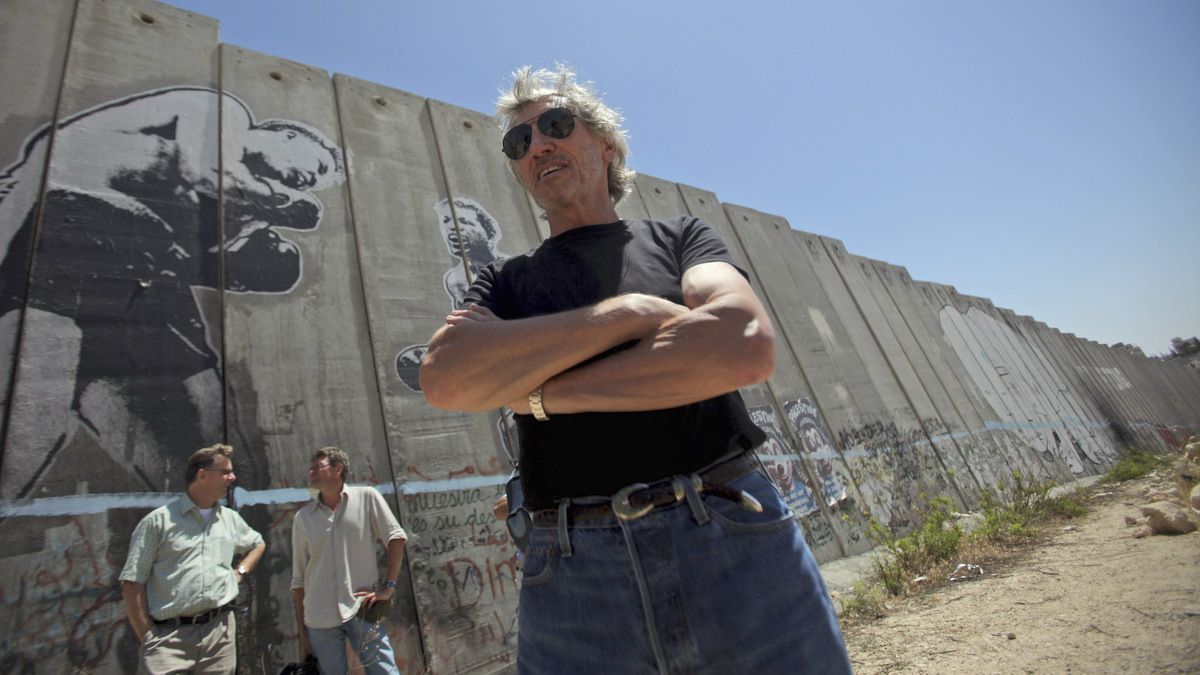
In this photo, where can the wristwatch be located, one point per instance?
(241, 569)
(535, 404)
(389, 584)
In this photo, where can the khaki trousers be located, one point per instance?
(206, 648)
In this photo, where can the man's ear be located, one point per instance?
(609, 153)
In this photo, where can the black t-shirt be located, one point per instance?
(599, 453)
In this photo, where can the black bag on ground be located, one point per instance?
(306, 667)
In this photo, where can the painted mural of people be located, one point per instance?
(806, 420)
(471, 235)
(123, 281)
(782, 463)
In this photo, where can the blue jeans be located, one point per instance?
(703, 586)
(369, 641)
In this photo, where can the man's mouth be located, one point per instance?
(549, 170)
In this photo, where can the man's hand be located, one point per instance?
(500, 510)
(371, 597)
(473, 313)
(137, 608)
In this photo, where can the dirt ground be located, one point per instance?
(1091, 599)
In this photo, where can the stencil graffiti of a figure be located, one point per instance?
(121, 308)
(471, 235)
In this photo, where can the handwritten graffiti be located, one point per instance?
(63, 602)
(465, 575)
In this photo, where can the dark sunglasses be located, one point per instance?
(555, 123)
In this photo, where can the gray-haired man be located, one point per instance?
(658, 545)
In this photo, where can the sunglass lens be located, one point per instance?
(517, 140)
(557, 123)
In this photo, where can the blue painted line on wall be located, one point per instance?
(79, 505)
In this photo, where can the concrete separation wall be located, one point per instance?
(203, 244)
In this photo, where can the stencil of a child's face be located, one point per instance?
(472, 234)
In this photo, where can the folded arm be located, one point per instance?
(721, 341)
(479, 362)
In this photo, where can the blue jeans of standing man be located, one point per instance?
(369, 641)
(703, 586)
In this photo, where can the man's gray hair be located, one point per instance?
(530, 86)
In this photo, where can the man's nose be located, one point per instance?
(539, 142)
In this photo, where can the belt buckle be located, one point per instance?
(621, 506)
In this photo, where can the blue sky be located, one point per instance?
(1045, 155)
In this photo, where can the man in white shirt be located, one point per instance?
(334, 574)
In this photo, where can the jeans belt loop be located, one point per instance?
(691, 487)
(564, 537)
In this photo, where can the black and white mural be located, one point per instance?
(111, 281)
(471, 235)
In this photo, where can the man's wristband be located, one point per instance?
(535, 404)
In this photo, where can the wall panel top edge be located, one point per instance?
(297, 68)
(126, 47)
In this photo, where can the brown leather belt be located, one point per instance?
(198, 619)
(635, 501)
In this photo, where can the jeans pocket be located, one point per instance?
(734, 518)
(540, 559)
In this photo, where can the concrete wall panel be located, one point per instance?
(1064, 402)
(993, 464)
(893, 428)
(798, 455)
(33, 52)
(892, 336)
(979, 457)
(971, 335)
(1018, 366)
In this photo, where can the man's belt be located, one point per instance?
(636, 500)
(197, 620)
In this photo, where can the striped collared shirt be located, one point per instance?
(186, 563)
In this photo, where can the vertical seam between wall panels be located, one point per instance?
(380, 387)
(43, 183)
(226, 413)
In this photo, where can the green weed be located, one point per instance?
(1135, 463)
(1014, 511)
